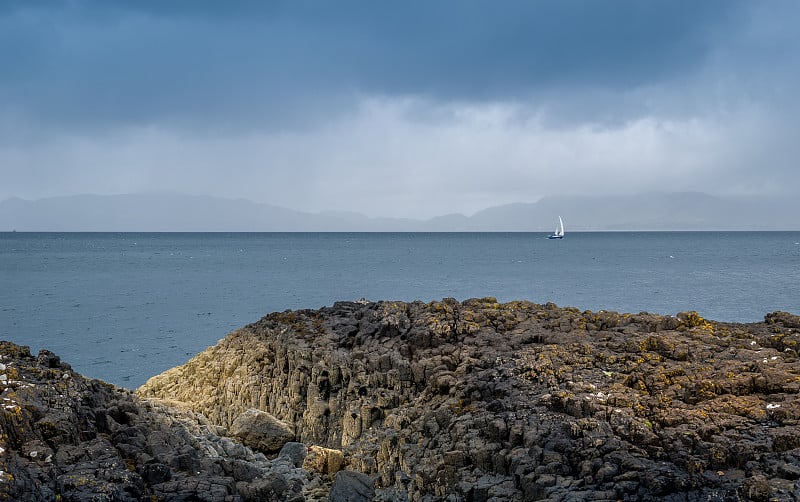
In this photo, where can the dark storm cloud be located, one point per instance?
(229, 64)
(398, 108)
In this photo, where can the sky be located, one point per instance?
(400, 109)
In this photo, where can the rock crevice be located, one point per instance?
(457, 401)
(478, 400)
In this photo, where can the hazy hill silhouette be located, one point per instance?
(169, 212)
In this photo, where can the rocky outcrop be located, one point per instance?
(67, 438)
(481, 401)
(471, 401)
(261, 431)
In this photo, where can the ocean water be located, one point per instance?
(123, 307)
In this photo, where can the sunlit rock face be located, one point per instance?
(518, 401)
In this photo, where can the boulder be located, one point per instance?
(323, 460)
(352, 486)
(271, 487)
(261, 431)
(296, 452)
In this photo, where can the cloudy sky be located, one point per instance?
(398, 108)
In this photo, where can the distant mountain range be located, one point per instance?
(166, 212)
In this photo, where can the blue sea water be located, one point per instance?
(123, 307)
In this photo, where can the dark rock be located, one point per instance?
(351, 486)
(64, 437)
(49, 360)
(270, 488)
(429, 402)
(241, 470)
(155, 473)
(546, 402)
(756, 488)
(296, 452)
(786, 319)
(789, 470)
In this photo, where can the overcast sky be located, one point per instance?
(398, 108)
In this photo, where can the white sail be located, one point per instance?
(559, 231)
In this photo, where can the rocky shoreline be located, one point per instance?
(471, 401)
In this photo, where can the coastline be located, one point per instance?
(123, 307)
(473, 399)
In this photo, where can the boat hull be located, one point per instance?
(558, 233)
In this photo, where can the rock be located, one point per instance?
(49, 360)
(481, 400)
(80, 439)
(155, 473)
(272, 487)
(296, 452)
(756, 488)
(351, 486)
(786, 319)
(438, 401)
(261, 431)
(323, 460)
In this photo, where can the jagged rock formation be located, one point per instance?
(480, 401)
(67, 438)
(470, 401)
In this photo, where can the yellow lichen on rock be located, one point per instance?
(323, 460)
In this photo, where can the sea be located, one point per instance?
(123, 307)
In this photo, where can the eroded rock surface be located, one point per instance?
(261, 431)
(67, 438)
(484, 401)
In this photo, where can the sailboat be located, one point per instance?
(559, 232)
